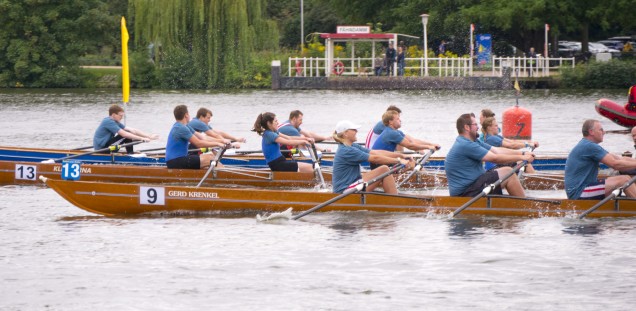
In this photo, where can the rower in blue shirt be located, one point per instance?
(464, 170)
(201, 124)
(581, 167)
(490, 130)
(349, 156)
(392, 137)
(291, 128)
(111, 131)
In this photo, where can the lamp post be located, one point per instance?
(424, 23)
(302, 26)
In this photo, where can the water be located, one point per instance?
(54, 256)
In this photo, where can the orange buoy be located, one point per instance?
(517, 123)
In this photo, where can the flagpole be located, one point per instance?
(125, 73)
(472, 48)
(545, 48)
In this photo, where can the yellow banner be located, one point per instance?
(125, 77)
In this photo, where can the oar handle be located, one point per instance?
(418, 166)
(359, 187)
(617, 192)
(109, 148)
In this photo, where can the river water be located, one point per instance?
(54, 256)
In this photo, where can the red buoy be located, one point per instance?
(517, 123)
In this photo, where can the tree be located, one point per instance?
(40, 40)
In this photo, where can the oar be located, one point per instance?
(489, 188)
(213, 164)
(109, 148)
(317, 170)
(418, 166)
(613, 195)
(82, 148)
(153, 149)
(359, 187)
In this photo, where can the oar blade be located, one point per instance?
(284, 215)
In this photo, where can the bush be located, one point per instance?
(600, 75)
(142, 71)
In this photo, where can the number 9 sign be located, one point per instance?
(152, 195)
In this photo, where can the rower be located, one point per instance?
(266, 125)
(201, 124)
(292, 128)
(392, 137)
(180, 137)
(375, 132)
(490, 131)
(349, 156)
(581, 167)
(112, 132)
(464, 171)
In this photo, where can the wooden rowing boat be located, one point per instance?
(27, 173)
(542, 163)
(111, 199)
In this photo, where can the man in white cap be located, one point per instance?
(346, 164)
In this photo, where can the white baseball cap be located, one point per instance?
(344, 125)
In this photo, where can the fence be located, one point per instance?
(438, 66)
(315, 67)
(530, 66)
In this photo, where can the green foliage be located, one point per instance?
(600, 75)
(142, 71)
(40, 41)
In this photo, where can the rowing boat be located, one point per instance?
(27, 173)
(252, 160)
(115, 199)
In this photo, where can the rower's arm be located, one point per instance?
(214, 134)
(140, 135)
(503, 156)
(517, 144)
(293, 141)
(619, 163)
(230, 137)
(199, 140)
(316, 137)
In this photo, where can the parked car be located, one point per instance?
(613, 44)
(597, 47)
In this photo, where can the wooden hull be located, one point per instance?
(545, 163)
(27, 173)
(111, 199)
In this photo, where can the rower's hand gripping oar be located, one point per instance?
(617, 192)
(317, 170)
(357, 188)
(418, 166)
(112, 148)
(490, 188)
(214, 163)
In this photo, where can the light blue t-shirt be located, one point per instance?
(178, 141)
(374, 134)
(289, 129)
(199, 125)
(346, 166)
(463, 164)
(379, 128)
(388, 140)
(581, 167)
(271, 149)
(495, 141)
(106, 130)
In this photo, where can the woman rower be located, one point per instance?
(266, 125)
(346, 163)
(490, 130)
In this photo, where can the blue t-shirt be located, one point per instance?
(271, 149)
(374, 134)
(388, 140)
(178, 141)
(495, 141)
(106, 130)
(346, 166)
(581, 167)
(199, 125)
(463, 164)
(289, 129)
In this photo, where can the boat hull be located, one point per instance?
(27, 173)
(541, 163)
(111, 199)
(616, 113)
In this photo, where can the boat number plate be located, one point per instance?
(152, 195)
(28, 172)
(71, 170)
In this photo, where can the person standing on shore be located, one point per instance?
(391, 53)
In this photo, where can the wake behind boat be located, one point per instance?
(112, 199)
